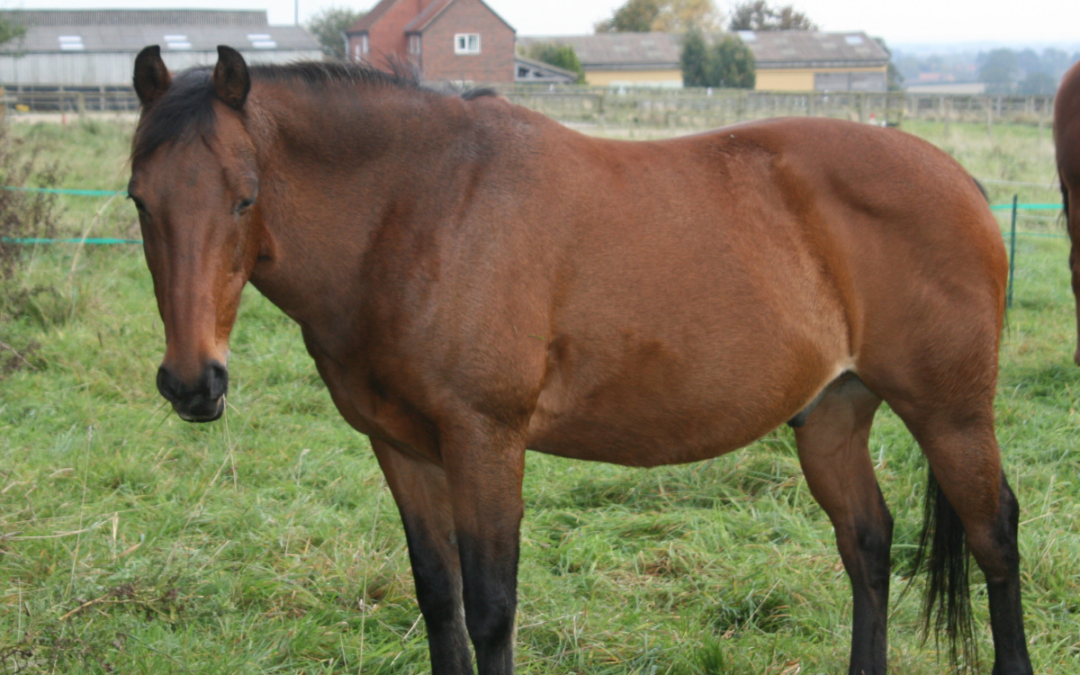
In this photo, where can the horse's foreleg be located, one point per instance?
(485, 472)
(423, 498)
(836, 461)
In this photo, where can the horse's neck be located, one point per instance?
(336, 177)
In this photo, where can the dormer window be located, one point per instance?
(467, 43)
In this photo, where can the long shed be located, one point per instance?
(88, 49)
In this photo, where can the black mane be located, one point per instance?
(186, 108)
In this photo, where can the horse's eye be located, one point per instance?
(244, 205)
(138, 204)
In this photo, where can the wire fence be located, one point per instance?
(687, 108)
(1014, 208)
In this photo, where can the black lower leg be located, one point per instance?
(1003, 587)
(438, 592)
(490, 591)
(869, 571)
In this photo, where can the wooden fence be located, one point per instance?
(699, 108)
(655, 108)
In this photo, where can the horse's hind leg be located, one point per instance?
(422, 495)
(966, 463)
(836, 461)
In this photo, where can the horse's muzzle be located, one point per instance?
(203, 401)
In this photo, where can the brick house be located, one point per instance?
(456, 40)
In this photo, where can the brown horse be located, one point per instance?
(1067, 144)
(474, 280)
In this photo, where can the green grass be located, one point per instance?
(131, 542)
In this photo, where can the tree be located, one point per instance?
(694, 60)
(1000, 70)
(1038, 82)
(329, 26)
(727, 63)
(893, 79)
(10, 31)
(758, 15)
(667, 16)
(561, 56)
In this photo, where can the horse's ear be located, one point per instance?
(231, 80)
(152, 78)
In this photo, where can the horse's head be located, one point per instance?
(194, 182)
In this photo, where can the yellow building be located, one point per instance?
(791, 60)
(803, 60)
(623, 59)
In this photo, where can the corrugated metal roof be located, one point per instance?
(134, 17)
(173, 37)
(619, 50)
(804, 48)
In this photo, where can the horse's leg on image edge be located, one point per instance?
(485, 468)
(835, 457)
(966, 462)
(423, 499)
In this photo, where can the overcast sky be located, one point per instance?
(907, 21)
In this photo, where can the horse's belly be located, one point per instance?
(669, 413)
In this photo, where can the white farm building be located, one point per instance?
(94, 50)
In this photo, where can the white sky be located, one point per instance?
(907, 21)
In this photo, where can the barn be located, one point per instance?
(623, 59)
(94, 50)
(805, 60)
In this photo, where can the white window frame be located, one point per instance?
(415, 45)
(467, 43)
(365, 45)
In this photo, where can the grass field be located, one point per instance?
(131, 542)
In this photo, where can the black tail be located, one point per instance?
(1064, 199)
(946, 603)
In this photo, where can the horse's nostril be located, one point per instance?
(217, 377)
(169, 384)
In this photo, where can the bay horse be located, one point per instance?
(1067, 150)
(473, 280)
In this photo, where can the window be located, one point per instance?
(414, 44)
(71, 43)
(467, 43)
(364, 46)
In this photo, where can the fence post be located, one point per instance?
(1012, 255)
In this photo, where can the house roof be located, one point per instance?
(374, 14)
(620, 51)
(424, 19)
(543, 65)
(131, 30)
(419, 24)
(134, 17)
(435, 9)
(805, 48)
